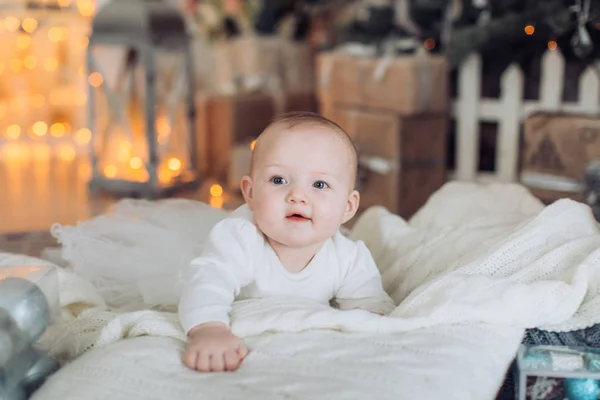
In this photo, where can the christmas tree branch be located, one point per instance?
(467, 40)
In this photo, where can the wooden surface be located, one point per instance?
(36, 192)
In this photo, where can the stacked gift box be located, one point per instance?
(396, 109)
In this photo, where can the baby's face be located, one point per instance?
(301, 185)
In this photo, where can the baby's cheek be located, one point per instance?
(330, 220)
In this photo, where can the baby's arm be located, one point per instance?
(213, 281)
(362, 287)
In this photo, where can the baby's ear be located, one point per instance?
(246, 187)
(351, 206)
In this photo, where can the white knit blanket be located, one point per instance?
(473, 268)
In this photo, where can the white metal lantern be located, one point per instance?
(141, 99)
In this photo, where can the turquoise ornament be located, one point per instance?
(535, 360)
(582, 388)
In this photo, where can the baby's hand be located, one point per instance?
(213, 348)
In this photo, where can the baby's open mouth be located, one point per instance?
(297, 217)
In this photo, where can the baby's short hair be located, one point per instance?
(297, 118)
(293, 119)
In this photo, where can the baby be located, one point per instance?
(284, 241)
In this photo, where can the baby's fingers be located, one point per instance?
(242, 350)
(217, 364)
(189, 359)
(203, 362)
(232, 360)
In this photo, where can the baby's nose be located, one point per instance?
(296, 195)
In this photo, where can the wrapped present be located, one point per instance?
(407, 84)
(557, 149)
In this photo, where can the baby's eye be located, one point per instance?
(278, 180)
(320, 185)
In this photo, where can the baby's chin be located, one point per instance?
(296, 242)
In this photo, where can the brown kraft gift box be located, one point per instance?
(406, 85)
(412, 147)
(556, 150)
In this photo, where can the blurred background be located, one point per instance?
(101, 100)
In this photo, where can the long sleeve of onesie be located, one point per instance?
(216, 277)
(362, 286)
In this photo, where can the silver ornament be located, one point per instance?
(27, 305)
(36, 375)
(15, 393)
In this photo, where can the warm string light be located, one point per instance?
(429, 44)
(136, 163)
(58, 130)
(13, 131)
(86, 8)
(40, 128)
(128, 166)
(29, 25)
(30, 37)
(12, 24)
(95, 79)
(83, 136)
(26, 32)
(529, 30)
(216, 190)
(216, 199)
(174, 164)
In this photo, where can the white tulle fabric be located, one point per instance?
(474, 268)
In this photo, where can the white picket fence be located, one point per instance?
(509, 111)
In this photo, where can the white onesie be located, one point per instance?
(238, 263)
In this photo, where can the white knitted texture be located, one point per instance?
(468, 274)
(459, 362)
